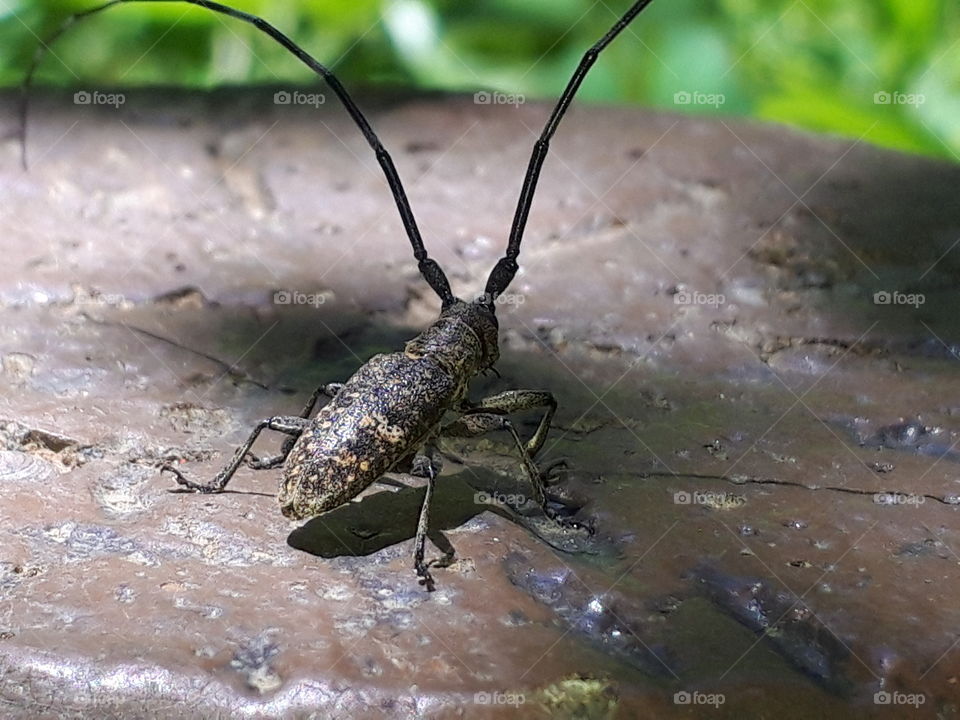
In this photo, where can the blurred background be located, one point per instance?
(884, 70)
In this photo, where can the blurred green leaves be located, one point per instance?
(884, 70)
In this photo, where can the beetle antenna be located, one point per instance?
(429, 268)
(506, 267)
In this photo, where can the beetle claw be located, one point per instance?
(185, 484)
(568, 523)
(426, 579)
(551, 473)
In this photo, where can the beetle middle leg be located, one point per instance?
(422, 568)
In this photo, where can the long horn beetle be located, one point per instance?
(387, 416)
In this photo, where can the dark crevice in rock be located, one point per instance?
(236, 374)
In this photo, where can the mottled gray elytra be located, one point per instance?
(387, 416)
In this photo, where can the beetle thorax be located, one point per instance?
(463, 339)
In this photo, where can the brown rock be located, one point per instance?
(685, 284)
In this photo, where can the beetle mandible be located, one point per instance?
(387, 416)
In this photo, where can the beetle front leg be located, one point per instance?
(514, 401)
(475, 423)
(285, 424)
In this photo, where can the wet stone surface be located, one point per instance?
(766, 447)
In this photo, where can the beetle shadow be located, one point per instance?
(386, 518)
(389, 517)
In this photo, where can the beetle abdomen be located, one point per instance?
(381, 414)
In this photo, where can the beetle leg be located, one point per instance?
(514, 401)
(285, 424)
(274, 461)
(422, 568)
(414, 465)
(330, 390)
(477, 423)
(480, 423)
(423, 464)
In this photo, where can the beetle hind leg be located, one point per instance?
(290, 425)
(274, 461)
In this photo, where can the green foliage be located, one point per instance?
(887, 71)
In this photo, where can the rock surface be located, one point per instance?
(768, 449)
